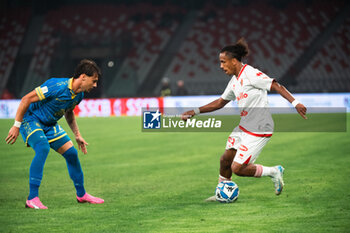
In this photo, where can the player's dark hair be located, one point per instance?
(87, 67)
(238, 50)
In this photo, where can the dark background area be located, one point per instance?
(140, 44)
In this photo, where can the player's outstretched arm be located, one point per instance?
(212, 106)
(280, 89)
(70, 118)
(31, 97)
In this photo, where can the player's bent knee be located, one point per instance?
(237, 169)
(43, 147)
(229, 155)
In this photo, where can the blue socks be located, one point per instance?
(36, 168)
(33, 191)
(74, 169)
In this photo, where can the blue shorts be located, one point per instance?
(32, 131)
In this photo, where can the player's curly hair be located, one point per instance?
(238, 50)
(87, 67)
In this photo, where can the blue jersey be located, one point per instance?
(56, 97)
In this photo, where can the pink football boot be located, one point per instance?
(91, 199)
(35, 203)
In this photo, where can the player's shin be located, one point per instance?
(265, 171)
(75, 171)
(36, 168)
(225, 168)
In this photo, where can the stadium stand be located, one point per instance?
(12, 29)
(39, 67)
(149, 28)
(329, 69)
(276, 40)
(140, 35)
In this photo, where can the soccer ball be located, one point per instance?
(226, 192)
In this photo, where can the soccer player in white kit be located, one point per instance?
(249, 87)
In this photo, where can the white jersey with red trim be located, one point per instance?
(250, 90)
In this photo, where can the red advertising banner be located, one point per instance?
(116, 107)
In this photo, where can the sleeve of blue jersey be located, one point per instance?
(48, 89)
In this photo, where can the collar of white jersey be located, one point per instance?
(240, 72)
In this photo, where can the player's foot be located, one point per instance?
(91, 199)
(278, 180)
(210, 199)
(35, 203)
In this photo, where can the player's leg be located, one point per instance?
(65, 147)
(225, 164)
(61, 143)
(227, 158)
(225, 168)
(75, 171)
(248, 152)
(256, 170)
(40, 145)
(33, 135)
(243, 169)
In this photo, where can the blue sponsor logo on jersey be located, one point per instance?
(151, 119)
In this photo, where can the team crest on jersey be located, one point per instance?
(44, 89)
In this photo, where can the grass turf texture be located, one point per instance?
(156, 182)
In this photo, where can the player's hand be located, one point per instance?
(12, 136)
(301, 110)
(187, 115)
(81, 144)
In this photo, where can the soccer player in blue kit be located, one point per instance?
(36, 120)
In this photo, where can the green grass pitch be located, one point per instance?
(156, 182)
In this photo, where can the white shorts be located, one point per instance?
(248, 145)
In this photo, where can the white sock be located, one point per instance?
(221, 178)
(268, 171)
